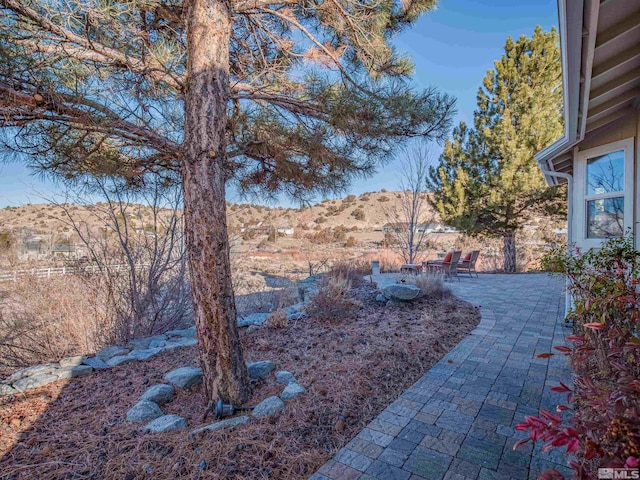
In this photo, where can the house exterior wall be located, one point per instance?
(624, 132)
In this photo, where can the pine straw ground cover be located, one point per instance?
(352, 371)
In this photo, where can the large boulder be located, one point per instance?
(72, 372)
(34, 381)
(268, 407)
(109, 352)
(260, 369)
(292, 390)
(230, 422)
(401, 291)
(165, 423)
(252, 319)
(159, 394)
(144, 411)
(184, 377)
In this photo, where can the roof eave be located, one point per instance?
(571, 32)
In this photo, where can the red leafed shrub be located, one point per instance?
(604, 427)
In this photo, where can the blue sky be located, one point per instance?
(452, 48)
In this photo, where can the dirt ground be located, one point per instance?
(352, 370)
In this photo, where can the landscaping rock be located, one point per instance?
(157, 344)
(72, 372)
(115, 361)
(71, 361)
(292, 317)
(184, 377)
(381, 298)
(144, 411)
(180, 342)
(160, 394)
(6, 390)
(307, 289)
(292, 390)
(186, 332)
(268, 407)
(295, 312)
(166, 422)
(31, 371)
(284, 377)
(34, 381)
(252, 319)
(109, 352)
(260, 369)
(145, 354)
(401, 291)
(95, 362)
(230, 422)
(395, 304)
(144, 343)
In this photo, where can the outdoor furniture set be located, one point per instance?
(450, 265)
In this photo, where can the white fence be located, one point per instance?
(14, 275)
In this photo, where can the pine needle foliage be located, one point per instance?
(487, 181)
(317, 94)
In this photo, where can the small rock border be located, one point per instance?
(139, 349)
(148, 407)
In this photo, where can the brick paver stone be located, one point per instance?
(456, 422)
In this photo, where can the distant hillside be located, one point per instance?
(348, 226)
(365, 212)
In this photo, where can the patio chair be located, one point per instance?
(411, 268)
(448, 265)
(468, 263)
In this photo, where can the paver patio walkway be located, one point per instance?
(456, 422)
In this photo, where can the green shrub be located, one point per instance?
(604, 428)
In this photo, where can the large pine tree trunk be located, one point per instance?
(509, 252)
(203, 178)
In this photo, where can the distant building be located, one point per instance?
(421, 227)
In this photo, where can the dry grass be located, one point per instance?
(431, 285)
(351, 270)
(47, 319)
(352, 371)
(333, 303)
(277, 319)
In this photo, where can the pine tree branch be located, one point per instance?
(84, 49)
(18, 107)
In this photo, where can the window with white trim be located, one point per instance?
(605, 195)
(604, 192)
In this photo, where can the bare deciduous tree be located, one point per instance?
(137, 255)
(408, 222)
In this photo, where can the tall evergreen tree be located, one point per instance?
(294, 96)
(487, 181)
